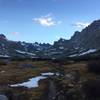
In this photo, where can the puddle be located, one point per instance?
(33, 82)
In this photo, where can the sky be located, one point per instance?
(46, 20)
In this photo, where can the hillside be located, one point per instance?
(80, 42)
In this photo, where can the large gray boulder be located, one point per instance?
(3, 97)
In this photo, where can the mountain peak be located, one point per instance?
(95, 24)
(2, 37)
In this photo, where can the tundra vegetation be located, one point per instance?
(77, 80)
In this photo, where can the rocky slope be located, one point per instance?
(20, 49)
(84, 42)
(81, 42)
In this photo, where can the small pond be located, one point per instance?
(33, 82)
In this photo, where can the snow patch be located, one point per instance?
(84, 53)
(5, 56)
(47, 74)
(74, 55)
(23, 52)
(33, 82)
(61, 47)
(23, 44)
(87, 52)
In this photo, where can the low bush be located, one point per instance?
(3, 62)
(94, 66)
(91, 89)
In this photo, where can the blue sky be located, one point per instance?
(45, 20)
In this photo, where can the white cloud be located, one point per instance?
(46, 20)
(81, 24)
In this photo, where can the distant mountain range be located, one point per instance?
(81, 43)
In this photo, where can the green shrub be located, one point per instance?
(94, 66)
(91, 89)
(2, 62)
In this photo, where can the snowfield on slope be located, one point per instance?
(84, 53)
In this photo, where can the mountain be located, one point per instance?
(89, 37)
(81, 43)
(86, 40)
(21, 49)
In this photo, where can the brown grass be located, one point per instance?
(14, 72)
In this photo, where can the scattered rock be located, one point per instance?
(27, 66)
(2, 71)
(3, 97)
(73, 76)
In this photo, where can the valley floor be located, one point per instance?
(69, 84)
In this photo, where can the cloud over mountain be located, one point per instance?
(46, 20)
(80, 24)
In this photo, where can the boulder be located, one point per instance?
(3, 97)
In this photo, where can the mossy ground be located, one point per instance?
(14, 72)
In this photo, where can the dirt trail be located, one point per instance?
(52, 90)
